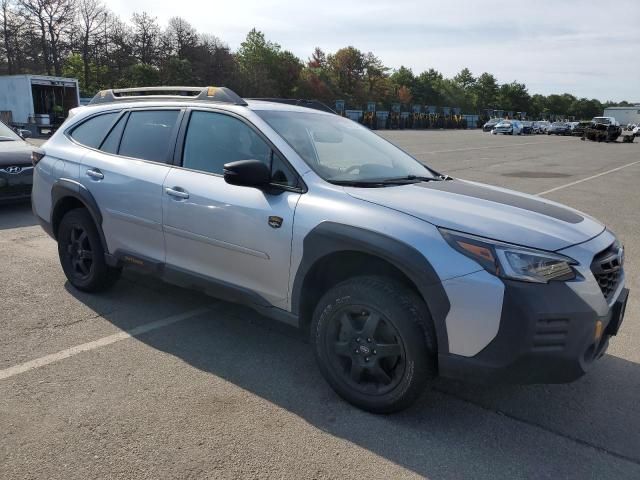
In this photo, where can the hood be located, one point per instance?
(15, 153)
(487, 211)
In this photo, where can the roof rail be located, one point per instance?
(209, 94)
(300, 102)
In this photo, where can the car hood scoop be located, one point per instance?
(487, 211)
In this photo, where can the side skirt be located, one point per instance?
(209, 286)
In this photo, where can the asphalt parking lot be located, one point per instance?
(151, 381)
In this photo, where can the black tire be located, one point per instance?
(374, 342)
(82, 254)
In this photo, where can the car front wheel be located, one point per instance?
(375, 343)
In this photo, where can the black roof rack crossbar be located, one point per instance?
(209, 94)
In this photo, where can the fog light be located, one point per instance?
(599, 330)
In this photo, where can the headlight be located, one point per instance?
(512, 261)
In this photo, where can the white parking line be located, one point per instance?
(101, 342)
(587, 179)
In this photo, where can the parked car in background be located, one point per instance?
(527, 127)
(508, 127)
(541, 127)
(559, 128)
(490, 125)
(16, 170)
(603, 129)
(578, 130)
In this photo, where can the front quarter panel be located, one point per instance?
(412, 245)
(329, 204)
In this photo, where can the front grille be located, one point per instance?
(15, 191)
(607, 269)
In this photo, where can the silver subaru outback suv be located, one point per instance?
(398, 273)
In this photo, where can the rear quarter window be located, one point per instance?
(148, 134)
(91, 132)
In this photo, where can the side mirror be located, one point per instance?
(247, 173)
(24, 133)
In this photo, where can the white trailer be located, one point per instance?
(37, 102)
(624, 115)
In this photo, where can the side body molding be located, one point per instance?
(330, 237)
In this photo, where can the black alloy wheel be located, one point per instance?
(369, 354)
(80, 254)
(374, 342)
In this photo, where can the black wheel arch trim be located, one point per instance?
(65, 188)
(330, 237)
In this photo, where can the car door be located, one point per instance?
(236, 235)
(125, 176)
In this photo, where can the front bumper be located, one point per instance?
(16, 186)
(547, 335)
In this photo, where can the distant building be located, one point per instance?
(624, 115)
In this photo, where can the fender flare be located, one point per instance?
(65, 188)
(330, 237)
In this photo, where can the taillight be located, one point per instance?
(36, 156)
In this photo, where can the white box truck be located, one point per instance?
(629, 115)
(37, 102)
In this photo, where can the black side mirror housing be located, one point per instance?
(247, 173)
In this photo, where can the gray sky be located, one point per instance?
(585, 47)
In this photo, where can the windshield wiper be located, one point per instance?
(382, 182)
(7, 139)
(417, 178)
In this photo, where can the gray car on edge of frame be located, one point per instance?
(397, 272)
(15, 166)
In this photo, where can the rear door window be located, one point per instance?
(148, 135)
(91, 132)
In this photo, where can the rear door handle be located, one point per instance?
(177, 192)
(95, 173)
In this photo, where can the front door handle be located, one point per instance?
(177, 192)
(95, 173)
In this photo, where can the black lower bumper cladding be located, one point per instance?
(547, 335)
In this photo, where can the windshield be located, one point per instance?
(6, 134)
(340, 150)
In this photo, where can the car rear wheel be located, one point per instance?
(82, 254)
(375, 343)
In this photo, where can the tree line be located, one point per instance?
(84, 40)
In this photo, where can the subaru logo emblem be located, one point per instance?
(13, 170)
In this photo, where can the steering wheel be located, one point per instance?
(352, 168)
